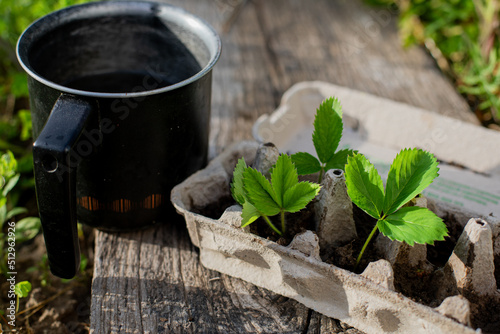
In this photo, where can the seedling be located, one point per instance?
(21, 289)
(326, 137)
(260, 197)
(411, 172)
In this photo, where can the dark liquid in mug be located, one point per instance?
(119, 82)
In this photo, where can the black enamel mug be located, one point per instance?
(120, 98)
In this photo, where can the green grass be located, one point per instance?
(463, 37)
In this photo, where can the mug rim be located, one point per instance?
(199, 26)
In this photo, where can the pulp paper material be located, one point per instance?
(296, 271)
(469, 163)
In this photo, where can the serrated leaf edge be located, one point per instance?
(389, 209)
(337, 109)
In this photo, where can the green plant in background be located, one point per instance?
(15, 16)
(410, 173)
(15, 118)
(483, 79)
(42, 271)
(260, 197)
(464, 38)
(24, 229)
(326, 137)
(21, 289)
(16, 166)
(44, 276)
(15, 137)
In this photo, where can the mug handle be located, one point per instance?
(55, 182)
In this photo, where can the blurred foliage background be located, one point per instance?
(463, 37)
(15, 118)
(18, 208)
(17, 197)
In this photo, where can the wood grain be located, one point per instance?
(151, 281)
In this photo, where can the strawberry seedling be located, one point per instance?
(326, 137)
(410, 173)
(260, 197)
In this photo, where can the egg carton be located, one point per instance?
(367, 301)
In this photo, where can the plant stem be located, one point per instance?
(372, 233)
(271, 225)
(321, 172)
(283, 222)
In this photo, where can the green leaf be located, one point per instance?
(27, 228)
(237, 189)
(364, 185)
(249, 214)
(8, 165)
(411, 172)
(413, 224)
(283, 176)
(327, 129)
(297, 197)
(22, 289)
(260, 193)
(339, 159)
(306, 163)
(10, 184)
(15, 211)
(3, 211)
(26, 125)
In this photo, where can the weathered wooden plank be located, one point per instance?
(151, 281)
(348, 44)
(273, 44)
